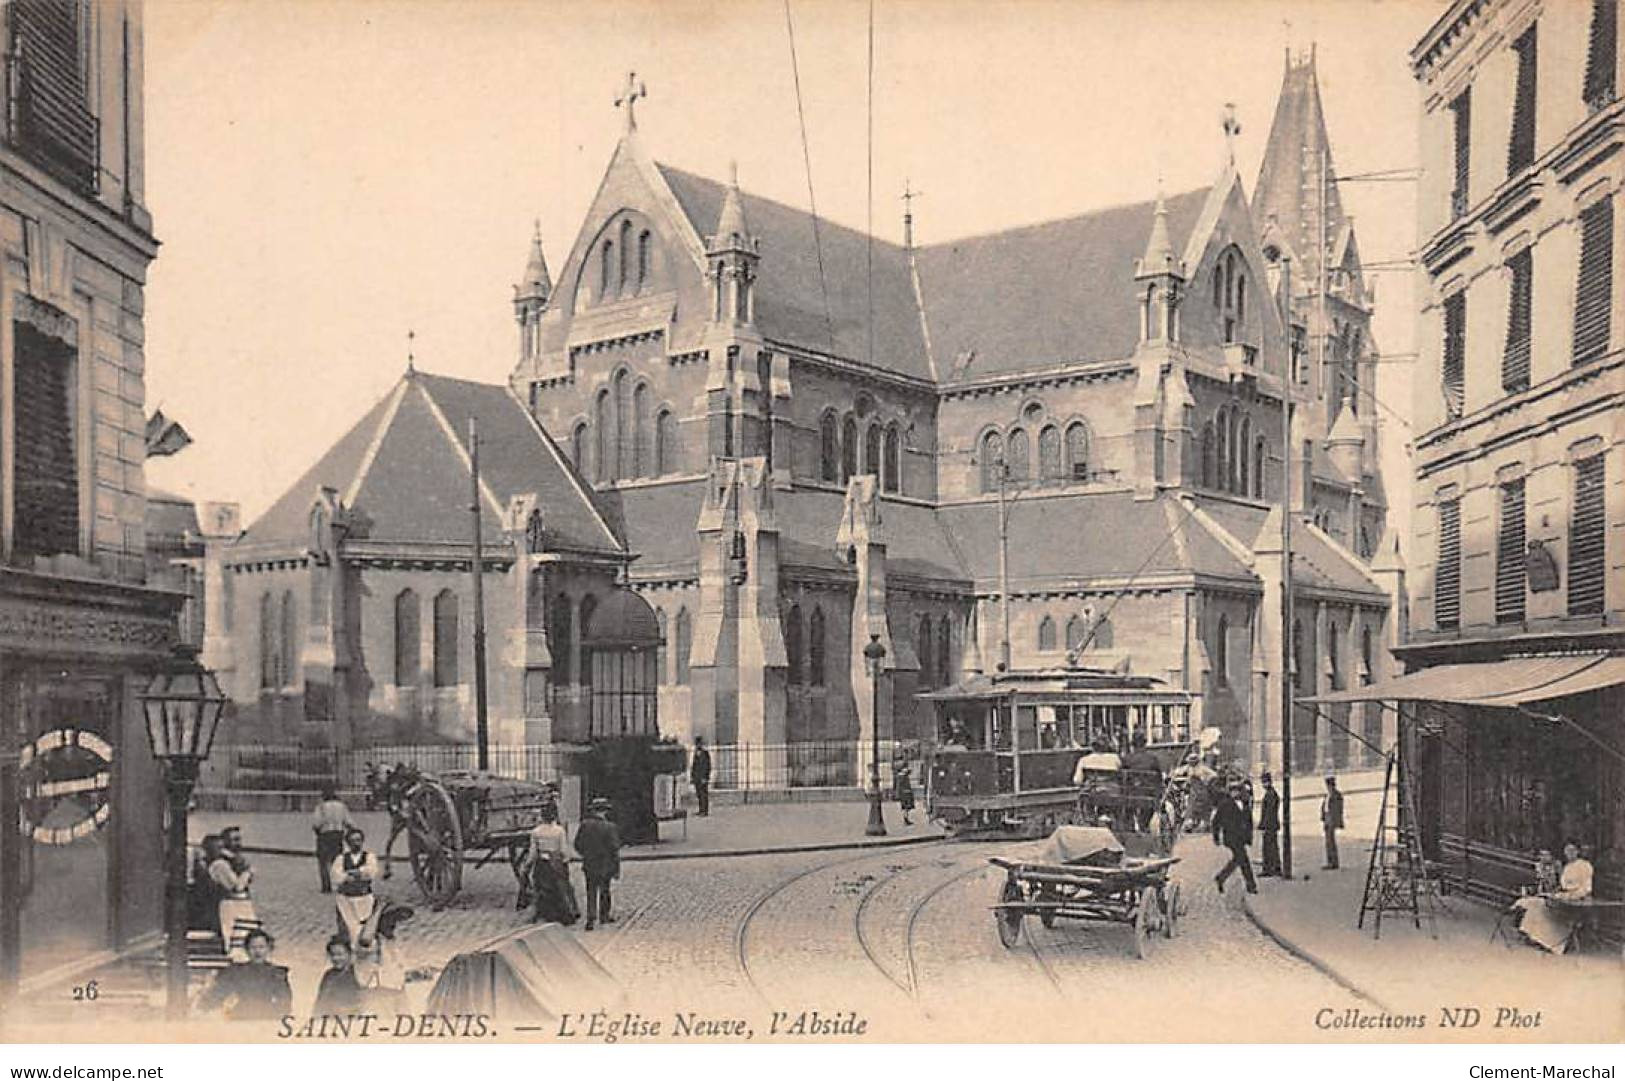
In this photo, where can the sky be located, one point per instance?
(327, 177)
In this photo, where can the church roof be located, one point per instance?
(917, 541)
(789, 296)
(405, 467)
(1108, 535)
(1316, 559)
(1041, 295)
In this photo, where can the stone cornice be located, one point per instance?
(44, 615)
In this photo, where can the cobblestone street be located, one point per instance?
(903, 937)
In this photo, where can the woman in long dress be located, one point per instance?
(1551, 925)
(232, 877)
(549, 871)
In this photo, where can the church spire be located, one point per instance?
(732, 253)
(1161, 275)
(1297, 161)
(530, 298)
(1159, 250)
(731, 227)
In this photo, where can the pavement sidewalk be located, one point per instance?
(741, 829)
(1533, 995)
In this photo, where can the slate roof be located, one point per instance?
(1103, 535)
(1032, 297)
(171, 520)
(401, 467)
(789, 297)
(1296, 140)
(917, 542)
(1315, 562)
(658, 522)
(1045, 294)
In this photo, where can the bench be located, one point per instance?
(1498, 877)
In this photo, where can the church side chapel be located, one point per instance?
(702, 412)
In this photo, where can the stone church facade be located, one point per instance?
(783, 480)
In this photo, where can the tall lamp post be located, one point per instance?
(182, 706)
(874, 653)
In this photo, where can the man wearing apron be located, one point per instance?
(353, 875)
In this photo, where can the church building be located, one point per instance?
(1056, 444)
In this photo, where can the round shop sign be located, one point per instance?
(66, 776)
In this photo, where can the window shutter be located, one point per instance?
(1601, 61)
(1521, 148)
(1593, 300)
(1455, 353)
(1447, 575)
(1587, 529)
(54, 124)
(1509, 556)
(1515, 361)
(1462, 107)
(46, 466)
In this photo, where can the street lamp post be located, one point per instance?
(874, 653)
(182, 706)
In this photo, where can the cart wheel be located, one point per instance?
(1009, 919)
(1145, 918)
(434, 842)
(1170, 909)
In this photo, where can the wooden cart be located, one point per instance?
(1102, 884)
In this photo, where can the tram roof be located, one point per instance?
(1096, 682)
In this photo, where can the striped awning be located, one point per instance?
(1510, 682)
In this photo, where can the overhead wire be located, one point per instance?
(806, 161)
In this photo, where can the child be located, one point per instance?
(339, 992)
(905, 792)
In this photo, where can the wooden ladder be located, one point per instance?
(1396, 879)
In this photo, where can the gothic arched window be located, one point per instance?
(1258, 468)
(289, 642)
(849, 448)
(578, 447)
(1103, 634)
(1046, 634)
(445, 639)
(815, 648)
(1239, 441)
(1207, 455)
(640, 431)
(792, 646)
(992, 461)
(684, 644)
(269, 654)
(829, 450)
(558, 640)
(1049, 453)
(664, 675)
(665, 443)
(1334, 669)
(603, 458)
(623, 429)
(644, 245)
(1017, 455)
(1298, 672)
(535, 532)
(606, 260)
(1076, 631)
(922, 646)
(871, 451)
(1221, 652)
(408, 639)
(626, 254)
(1077, 451)
(892, 465)
(944, 655)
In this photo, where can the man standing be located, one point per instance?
(1233, 829)
(329, 821)
(699, 774)
(354, 873)
(1269, 824)
(1331, 820)
(598, 843)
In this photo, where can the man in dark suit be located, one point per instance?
(1233, 829)
(1331, 820)
(1269, 824)
(699, 774)
(598, 843)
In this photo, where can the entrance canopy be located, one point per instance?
(1510, 682)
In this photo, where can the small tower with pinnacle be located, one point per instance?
(530, 297)
(733, 254)
(1161, 278)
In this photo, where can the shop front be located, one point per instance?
(81, 873)
(1513, 757)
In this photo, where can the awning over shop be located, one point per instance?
(1510, 682)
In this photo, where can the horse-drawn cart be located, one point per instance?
(447, 815)
(1083, 873)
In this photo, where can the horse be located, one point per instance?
(391, 791)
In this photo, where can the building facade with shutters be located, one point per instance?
(80, 630)
(1518, 543)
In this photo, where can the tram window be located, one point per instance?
(1001, 729)
(1049, 727)
(1026, 728)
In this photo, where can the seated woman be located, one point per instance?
(1545, 921)
(256, 990)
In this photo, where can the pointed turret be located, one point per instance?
(530, 297)
(1345, 444)
(733, 253)
(1163, 277)
(1290, 177)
